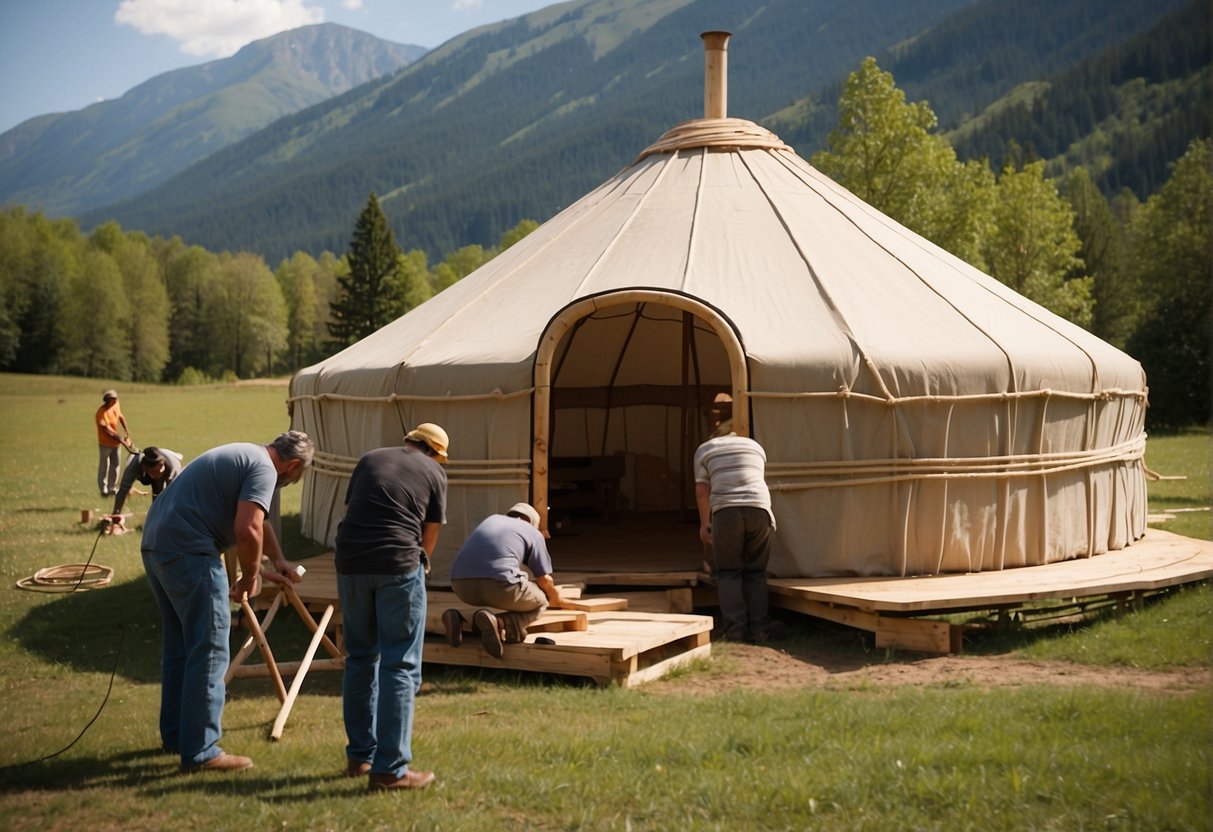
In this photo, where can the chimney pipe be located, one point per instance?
(715, 74)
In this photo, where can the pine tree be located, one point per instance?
(369, 295)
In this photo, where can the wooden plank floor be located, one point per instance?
(626, 647)
(888, 606)
(1158, 560)
(892, 608)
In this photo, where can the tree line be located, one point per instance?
(124, 305)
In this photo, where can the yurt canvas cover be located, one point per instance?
(919, 416)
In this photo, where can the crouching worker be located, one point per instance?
(487, 572)
(152, 466)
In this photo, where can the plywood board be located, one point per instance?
(596, 604)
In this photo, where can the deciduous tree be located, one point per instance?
(1032, 247)
(145, 295)
(884, 152)
(1170, 237)
(95, 320)
(248, 314)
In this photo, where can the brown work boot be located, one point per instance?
(224, 762)
(357, 768)
(490, 632)
(412, 779)
(452, 622)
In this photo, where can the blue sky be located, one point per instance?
(62, 55)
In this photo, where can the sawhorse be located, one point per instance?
(237, 669)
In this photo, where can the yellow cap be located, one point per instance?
(432, 435)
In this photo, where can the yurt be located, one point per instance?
(918, 416)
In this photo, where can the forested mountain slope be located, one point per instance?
(69, 163)
(509, 121)
(1124, 115)
(979, 54)
(521, 118)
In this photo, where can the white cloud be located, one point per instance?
(216, 28)
(352, 5)
(461, 6)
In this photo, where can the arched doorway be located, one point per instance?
(624, 382)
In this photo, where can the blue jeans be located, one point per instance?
(192, 593)
(384, 621)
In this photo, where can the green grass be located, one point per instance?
(1184, 455)
(522, 751)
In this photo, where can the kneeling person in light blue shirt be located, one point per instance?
(488, 572)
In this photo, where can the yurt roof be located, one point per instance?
(812, 278)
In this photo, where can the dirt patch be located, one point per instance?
(746, 666)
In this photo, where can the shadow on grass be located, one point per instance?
(157, 774)
(836, 648)
(83, 630)
(130, 768)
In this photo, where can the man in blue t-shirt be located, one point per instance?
(488, 571)
(219, 501)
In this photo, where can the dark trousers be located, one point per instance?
(741, 547)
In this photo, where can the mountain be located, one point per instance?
(507, 121)
(70, 163)
(1124, 115)
(985, 54)
(520, 118)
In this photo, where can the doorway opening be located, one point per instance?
(625, 387)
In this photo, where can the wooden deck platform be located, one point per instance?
(608, 640)
(892, 607)
(627, 648)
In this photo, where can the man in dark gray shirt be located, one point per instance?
(395, 507)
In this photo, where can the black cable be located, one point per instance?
(84, 569)
(113, 673)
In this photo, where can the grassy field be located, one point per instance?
(516, 751)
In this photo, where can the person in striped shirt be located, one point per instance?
(736, 525)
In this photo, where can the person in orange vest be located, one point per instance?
(109, 419)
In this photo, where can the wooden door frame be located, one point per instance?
(566, 318)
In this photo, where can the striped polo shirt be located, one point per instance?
(734, 467)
